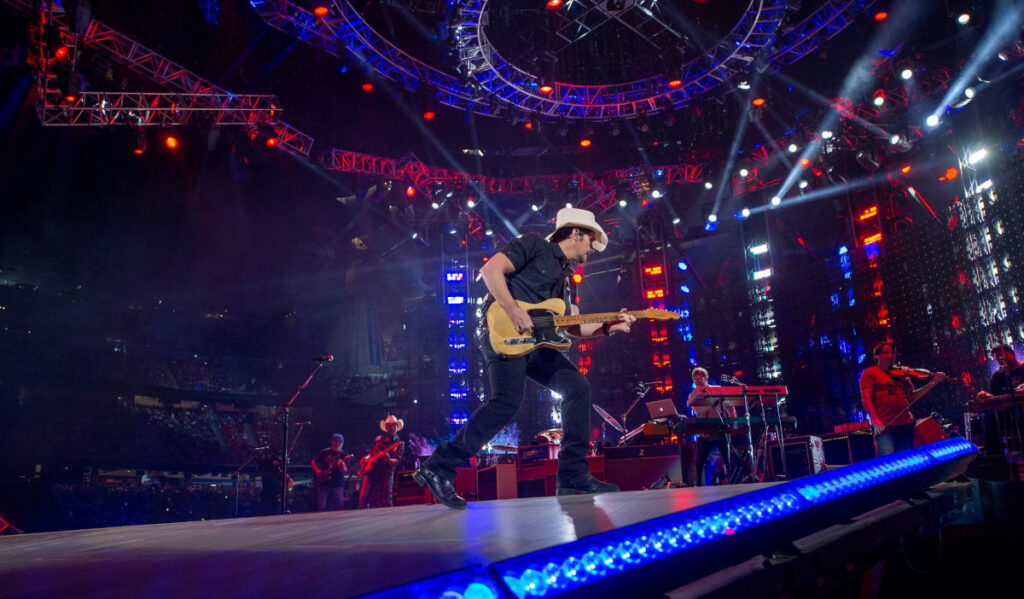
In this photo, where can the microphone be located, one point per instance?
(302, 423)
(649, 383)
(327, 358)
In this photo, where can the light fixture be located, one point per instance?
(708, 185)
(776, 200)
(906, 74)
(792, 148)
(932, 121)
(744, 172)
(963, 19)
(977, 156)
(826, 134)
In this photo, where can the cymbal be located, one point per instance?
(552, 433)
(608, 418)
(504, 448)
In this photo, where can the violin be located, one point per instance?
(905, 372)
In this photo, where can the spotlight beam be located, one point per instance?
(734, 147)
(1005, 24)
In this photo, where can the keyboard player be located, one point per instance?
(707, 441)
(1009, 377)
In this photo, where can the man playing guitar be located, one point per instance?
(378, 468)
(329, 468)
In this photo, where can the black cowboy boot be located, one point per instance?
(441, 488)
(584, 483)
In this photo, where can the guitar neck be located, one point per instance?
(578, 319)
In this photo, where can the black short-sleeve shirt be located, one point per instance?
(541, 269)
(1003, 381)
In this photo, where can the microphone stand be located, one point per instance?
(285, 450)
(641, 391)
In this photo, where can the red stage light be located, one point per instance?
(527, 125)
(429, 115)
(138, 151)
(171, 142)
(271, 142)
(816, 171)
(61, 53)
(951, 173)
(554, 4)
(367, 87)
(546, 89)
(905, 169)
(881, 16)
(410, 191)
(804, 162)
(758, 102)
(321, 11)
(584, 143)
(675, 83)
(577, 278)
(70, 98)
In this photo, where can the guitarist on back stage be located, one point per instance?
(887, 400)
(1009, 377)
(532, 269)
(329, 468)
(378, 468)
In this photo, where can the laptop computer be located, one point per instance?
(662, 408)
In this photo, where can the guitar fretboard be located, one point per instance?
(578, 319)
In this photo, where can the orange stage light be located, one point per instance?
(554, 4)
(758, 102)
(881, 16)
(577, 278)
(584, 143)
(675, 83)
(321, 11)
(546, 89)
(171, 142)
(271, 142)
(410, 191)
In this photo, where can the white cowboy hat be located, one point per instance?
(391, 420)
(584, 219)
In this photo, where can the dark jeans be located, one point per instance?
(898, 437)
(329, 498)
(508, 376)
(704, 447)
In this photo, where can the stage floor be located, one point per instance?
(334, 554)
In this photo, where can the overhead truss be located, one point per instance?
(490, 85)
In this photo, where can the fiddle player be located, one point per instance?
(887, 399)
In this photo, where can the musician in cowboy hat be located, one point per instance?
(379, 466)
(532, 269)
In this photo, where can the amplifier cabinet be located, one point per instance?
(536, 453)
(848, 448)
(408, 491)
(641, 466)
(804, 455)
(496, 482)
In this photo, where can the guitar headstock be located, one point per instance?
(656, 314)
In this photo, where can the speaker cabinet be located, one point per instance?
(848, 448)
(496, 482)
(804, 455)
(465, 483)
(642, 466)
(408, 491)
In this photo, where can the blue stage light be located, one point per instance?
(570, 567)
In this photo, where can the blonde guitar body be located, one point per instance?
(549, 326)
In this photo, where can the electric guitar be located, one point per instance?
(549, 324)
(369, 461)
(325, 474)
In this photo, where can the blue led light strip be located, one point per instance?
(565, 568)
